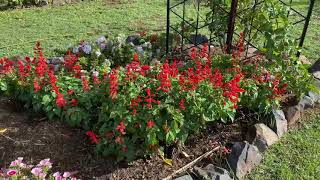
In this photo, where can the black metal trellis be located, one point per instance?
(232, 16)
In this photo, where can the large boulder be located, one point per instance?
(293, 114)
(279, 123)
(261, 136)
(184, 177)
(243, 158)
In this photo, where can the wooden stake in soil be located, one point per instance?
(184, 168)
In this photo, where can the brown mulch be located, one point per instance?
(69, 150)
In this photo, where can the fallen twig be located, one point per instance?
(184, 168)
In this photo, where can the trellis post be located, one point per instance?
(306, 25)
(231, 22)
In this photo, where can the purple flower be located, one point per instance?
(86, 48)
(11, 172)
(102, 46)
(101, 40)
(36, 171)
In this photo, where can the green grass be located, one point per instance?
(57, 27)
(296, 156)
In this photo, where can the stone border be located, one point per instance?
(245, 156)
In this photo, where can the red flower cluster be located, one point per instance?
(276, 89)
(6, 65)
(150, 98)
(60, 101)
(134, 103)
(236, 53)
(93, 137)
(150, 124)
(85, 84)
(181, 104)
(121, 128)
(70, 60)
(232, 90)
(113, 88)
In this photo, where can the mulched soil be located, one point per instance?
(35, 139)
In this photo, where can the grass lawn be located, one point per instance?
(57, 27)
(297, 156)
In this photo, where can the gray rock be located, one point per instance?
(306, 102)
(293, 114)
(217, 173)
(304, 60)
(316, 74)
(261, 136)
(315, 67)
(280, 124)
(198, 39)
(43, 3)
(202, 174)
(243, 158)
(56, 60)
(185, 177)
(135, 39)
(315, 97)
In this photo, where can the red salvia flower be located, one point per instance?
(135, 57)
(193, 54)
(150, 124)
(150, 98)
(121, 128)
(60, 101)
(164, 78)
(85, 84)
(70, 92)
(113, 88)
(93, 137)
(69, 61)
(181, 104)
(74, 102)
(21, 67)
(217, 78)
(118, 140)
(232, 89)
(36, 86)
(77, 71)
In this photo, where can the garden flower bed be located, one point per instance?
(131, 106)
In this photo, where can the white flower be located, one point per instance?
(98, 53)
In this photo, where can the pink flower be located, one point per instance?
(11, 172)
(45, 163)
(57, 176)
(66, 174)
(36, 171)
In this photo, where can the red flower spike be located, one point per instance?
(85, 84)
(135, 57)
(70, 92)
(36, 86)
(121, 128)
(150, 124)
(93, 137)
(60, 101)
(113, 88)
(181, 104)
(74, 102)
